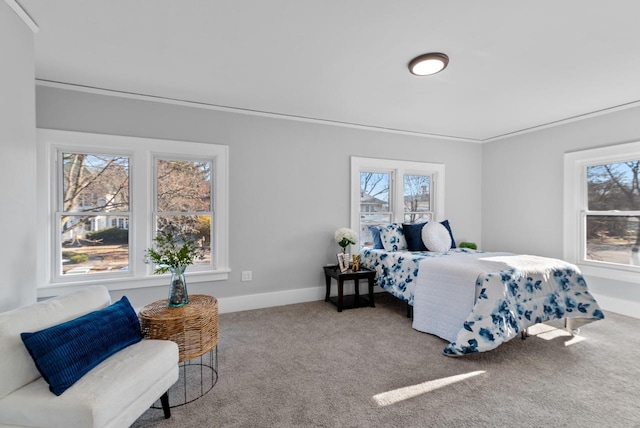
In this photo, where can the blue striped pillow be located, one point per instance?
(65, 352)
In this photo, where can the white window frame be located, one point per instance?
(575, 209)
(398, 168)
(155, 214)
(142, 153)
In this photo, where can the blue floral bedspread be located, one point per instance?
(397, 271)
(507, 301)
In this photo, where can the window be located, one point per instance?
(417, 198)
(93, 204)
(183, 199)
(602, 211)
(390, 191)
(108, 195)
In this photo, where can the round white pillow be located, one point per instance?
(436, 237)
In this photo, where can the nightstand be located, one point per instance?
(354, 300)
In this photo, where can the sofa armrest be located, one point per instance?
(114, 394)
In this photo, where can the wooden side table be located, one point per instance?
(194, 327)
(350, 301)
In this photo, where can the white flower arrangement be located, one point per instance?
(345, 237)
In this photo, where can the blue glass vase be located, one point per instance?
(178, 295)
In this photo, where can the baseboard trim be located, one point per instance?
(268, 300)
(619, 306)
(303, 295)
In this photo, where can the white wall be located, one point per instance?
(289, 185)
(522, 189)
(17, 151)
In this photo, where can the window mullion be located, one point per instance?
(394, 203)
(139, 223)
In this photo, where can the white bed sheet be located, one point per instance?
(445, 294)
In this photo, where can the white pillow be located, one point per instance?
(436, 237)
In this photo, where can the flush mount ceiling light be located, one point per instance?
(427, 64)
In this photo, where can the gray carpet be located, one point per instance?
(306, 365)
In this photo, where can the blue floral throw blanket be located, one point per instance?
(397, 271)
(476, 300)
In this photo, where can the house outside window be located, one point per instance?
(602, 211)
(108, 195)
(90, 240)
(392, 191)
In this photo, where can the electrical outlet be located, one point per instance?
(246, 275)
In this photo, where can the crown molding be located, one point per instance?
(238, 110)
(589, 115)
(19, 10)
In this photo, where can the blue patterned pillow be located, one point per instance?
(375, 235)
(413, 235)
(392, 237)
(65, 352)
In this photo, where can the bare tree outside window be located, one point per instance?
(393, 191)
(94, 213)
(184, 200)
(94, 219)
(613, 212)
(417, 198)
(184, 186)
(374, 203)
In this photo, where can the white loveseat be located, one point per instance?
(112, 394)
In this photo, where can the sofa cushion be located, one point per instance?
(114, 394)
(17, 368)
(66, 352)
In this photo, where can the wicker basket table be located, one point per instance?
(194, 327)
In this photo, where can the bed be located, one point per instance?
(478, 300)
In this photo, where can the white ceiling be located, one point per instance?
(513, 65)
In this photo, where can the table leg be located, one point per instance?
(327, 279)
(356, 298)
(371, 281)
(340, 294)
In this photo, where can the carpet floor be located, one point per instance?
(306, 365)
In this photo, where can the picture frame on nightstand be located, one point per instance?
(343, 262)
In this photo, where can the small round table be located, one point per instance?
(194, 327)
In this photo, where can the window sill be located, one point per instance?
(613, 273)
(128, 283)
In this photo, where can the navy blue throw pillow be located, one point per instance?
(445, 223)
(65, 352)
(413, 235)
